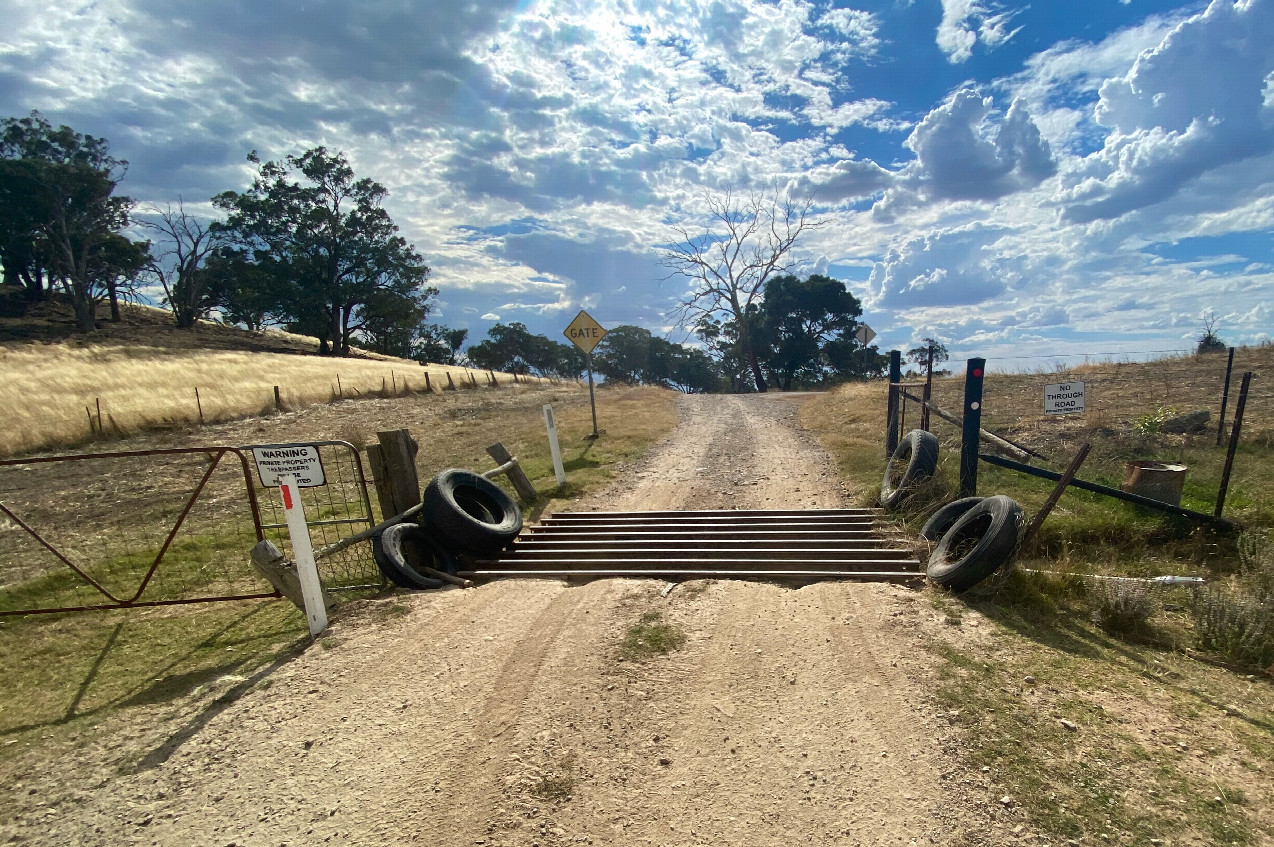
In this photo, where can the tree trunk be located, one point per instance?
(113, 290)
(85, 312)
(756, 369)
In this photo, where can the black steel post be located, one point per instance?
(1225, 398)
(1234, 442)
(973, 376)
(592, 401)
(928, 392)
(891, 416)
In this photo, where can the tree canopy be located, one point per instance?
(61, 223)
(634, 356)
(514, 349)
(328, 258)
(748, 239)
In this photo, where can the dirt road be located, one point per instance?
(503, 716)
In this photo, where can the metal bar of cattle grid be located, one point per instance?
(804, 544)
(691, 573)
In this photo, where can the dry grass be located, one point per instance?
(52, 391)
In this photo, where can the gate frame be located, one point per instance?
(970, 428)
(217, 453)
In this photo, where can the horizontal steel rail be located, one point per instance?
(1106, 490)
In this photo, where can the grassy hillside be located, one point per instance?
(143, 373)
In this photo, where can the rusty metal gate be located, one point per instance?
(788, 545)
(161, 527)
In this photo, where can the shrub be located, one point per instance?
(1238, 621)
(1151, 423)
(1122, 607)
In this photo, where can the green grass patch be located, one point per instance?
(650, 636)
(64, 673)
(1033, 715)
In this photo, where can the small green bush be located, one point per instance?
(1238, 621)
(1151, 423)
(1122, 607)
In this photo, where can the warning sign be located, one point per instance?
(584, 332)
(300, 460)
(1064, 398)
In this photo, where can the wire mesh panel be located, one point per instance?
(334, 511)
(110, 530)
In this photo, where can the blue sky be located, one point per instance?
(1051, 179)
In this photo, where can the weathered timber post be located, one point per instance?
(513, 471)
(973, 377)
(393, 464)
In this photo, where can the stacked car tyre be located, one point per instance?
(404, 550)
(914, 461)
(469, 513)
(977, 544)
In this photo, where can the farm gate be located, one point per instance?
(1125, 407)
(163, 527)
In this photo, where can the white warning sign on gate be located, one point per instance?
(1064, 398)
(300, 460)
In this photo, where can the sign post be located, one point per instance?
(585, 333)
(303, 554)
(864, 334)
(550, 423)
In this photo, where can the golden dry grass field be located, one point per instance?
(144, 375)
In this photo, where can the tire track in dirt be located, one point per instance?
(502, 716)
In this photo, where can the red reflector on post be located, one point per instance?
(287, 496)
(977, 372)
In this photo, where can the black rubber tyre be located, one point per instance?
(401, 549)
(914, 460)
(470, 513)
(942, 520)
(976, 545)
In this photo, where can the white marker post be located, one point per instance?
(303, 554)
(551, 425)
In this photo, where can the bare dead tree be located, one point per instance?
(747, 240)
(185, 243)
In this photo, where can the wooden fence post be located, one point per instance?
(973, 376)
(393, 464)
(516, 475)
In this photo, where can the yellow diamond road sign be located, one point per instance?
(584, 332)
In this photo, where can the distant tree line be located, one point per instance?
(802, 335)
(309, 247)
